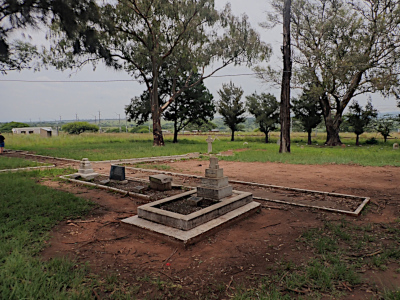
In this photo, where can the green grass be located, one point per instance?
(27, 212)
(120, 146)
(15, 162)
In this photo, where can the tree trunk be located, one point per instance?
(175, 133)
(309, 142)
(233, 135)
(266, 137)
(332, 131)
(357, 140)
(158, 139)
(285, 90)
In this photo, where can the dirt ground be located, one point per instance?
(237, 255)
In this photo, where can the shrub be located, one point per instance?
(140, 129)
(79, 127)
(371, 141)
(8, 126)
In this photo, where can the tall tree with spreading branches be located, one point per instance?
(343, 49)
(140, 36)
(230, 107)
(265, 108)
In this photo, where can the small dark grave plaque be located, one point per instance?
(117, 173)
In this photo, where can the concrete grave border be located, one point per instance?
(109, 188)
(363, 200)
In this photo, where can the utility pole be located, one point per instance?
(285, 89)
(119, 121)
(76, 116)
(99, 123)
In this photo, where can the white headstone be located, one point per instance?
(209, 140)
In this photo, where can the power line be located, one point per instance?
(104, 81)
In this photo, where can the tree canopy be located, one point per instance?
(139, 36)
(360, 118)
(194, 105)
(16, 15)
(308, 111)
(265, 108)
(79, 127)
(344, 49)
(230, 107)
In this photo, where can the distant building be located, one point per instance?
(43, 131)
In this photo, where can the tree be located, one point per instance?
(344, 49)
(79, 127)
(142, 35)
(15, 15)
(265, 108)
(308, 111)
(8, 126)
(384, 126)
(360, 118)
(201, 126)
(284, 145)
(230, 107)
(193, 105)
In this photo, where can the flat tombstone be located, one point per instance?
(117, 173)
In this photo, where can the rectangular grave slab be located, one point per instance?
(152, 212)
(117, 173)
(160, 182)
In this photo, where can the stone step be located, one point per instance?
(187, 237)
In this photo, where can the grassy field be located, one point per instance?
(28, 211)
(15, 162)
(119, 146)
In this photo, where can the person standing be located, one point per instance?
(2, 138)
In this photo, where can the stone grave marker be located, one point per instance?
(209, 141)
(160, 182)
(117, 173)
(85, 170)
(395, 146)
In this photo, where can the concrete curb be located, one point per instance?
(28, 169)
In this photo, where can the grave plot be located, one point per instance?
(191, 216)
(117, 182)
(335, 202)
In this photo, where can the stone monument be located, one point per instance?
(85, 170)
(395, 146)
(209, 141)
(215, 185)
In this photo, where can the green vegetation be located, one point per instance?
(28, 211)
(339, 250)
(123, 145)
(79, 127)
(6, 127)
(15, 162)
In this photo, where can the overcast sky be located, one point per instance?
(47, 101)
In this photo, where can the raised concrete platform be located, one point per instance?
(193, 235)
(153, 212)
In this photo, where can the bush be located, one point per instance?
(140, 129)
(371, 141)
(79, 127)
(8, 126)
